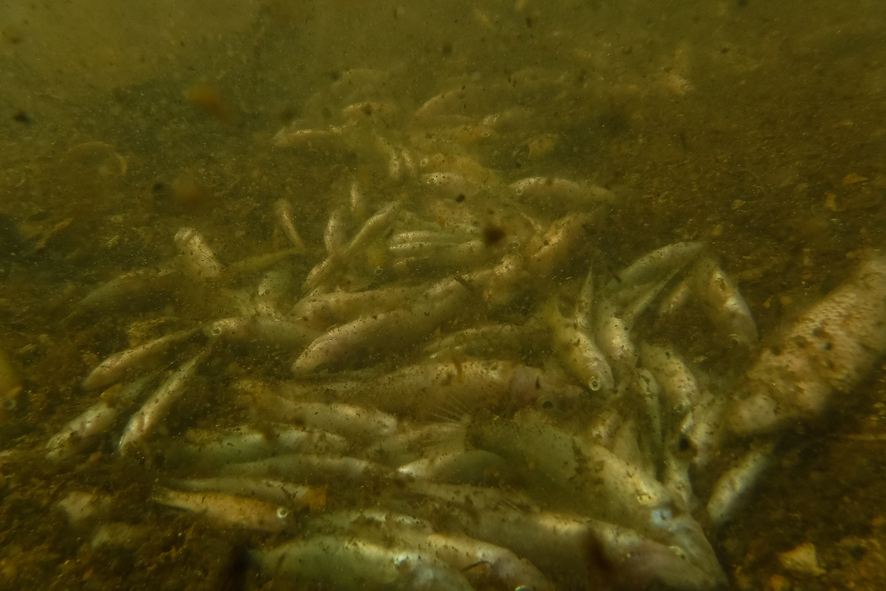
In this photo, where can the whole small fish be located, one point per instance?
(249, 513)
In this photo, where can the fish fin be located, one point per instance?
(456, 408)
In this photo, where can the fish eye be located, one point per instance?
(662, 516)
(594, 384)
(282, 512)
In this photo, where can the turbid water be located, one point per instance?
(757, 129)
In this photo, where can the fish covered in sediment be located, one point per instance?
(827, 351)
(448, 405)
(241, 511)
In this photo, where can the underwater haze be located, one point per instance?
(367, 294)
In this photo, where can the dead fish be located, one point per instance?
(248, 513)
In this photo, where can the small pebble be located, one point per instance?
(852, 178)
(801, 560)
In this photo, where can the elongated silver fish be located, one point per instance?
(378, 334)
(81, 431)
(344, 563)
(119, 365)
(828, 350)
(160, 402)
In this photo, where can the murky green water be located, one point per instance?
(758, 129)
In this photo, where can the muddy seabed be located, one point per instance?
(756, 127)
